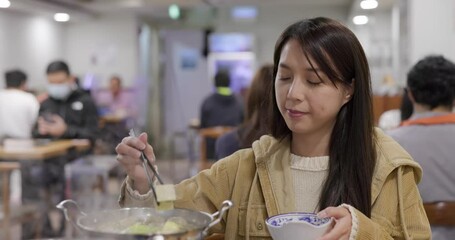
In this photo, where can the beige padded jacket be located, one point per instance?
(258, 181)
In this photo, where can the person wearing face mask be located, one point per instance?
(68, 112)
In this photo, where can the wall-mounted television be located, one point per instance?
(231, 42)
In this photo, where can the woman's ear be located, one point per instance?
(349, 91)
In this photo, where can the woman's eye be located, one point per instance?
(314, 82)
(284, 78)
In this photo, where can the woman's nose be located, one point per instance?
(296, 90)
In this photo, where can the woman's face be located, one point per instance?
(308, 104)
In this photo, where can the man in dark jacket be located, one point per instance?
(221, 108)
(68, 113)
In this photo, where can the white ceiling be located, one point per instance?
(82, 9)
(157, 9)
(108, 5)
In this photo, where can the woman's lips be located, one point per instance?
(295, 113)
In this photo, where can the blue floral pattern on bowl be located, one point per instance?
(292, 226)
(311, 218)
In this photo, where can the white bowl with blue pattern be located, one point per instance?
(298, 226)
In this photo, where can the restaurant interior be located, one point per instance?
(162, 57)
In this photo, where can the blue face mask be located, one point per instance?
(59, 91)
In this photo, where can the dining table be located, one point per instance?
(110, 119)
(33, 152)
(44, 151)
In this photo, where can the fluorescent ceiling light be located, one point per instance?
(5, 3)
(244, 13)
(62, 17)
(360, 20)
(369, 4)
(174, 11)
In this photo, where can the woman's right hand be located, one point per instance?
(129, 156)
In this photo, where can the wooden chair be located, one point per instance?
(384, 103)
(18, 214)
(204, 133)
(5, 170)
(441, 213)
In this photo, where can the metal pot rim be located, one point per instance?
(200, 228)
(212, 219)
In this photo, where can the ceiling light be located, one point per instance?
(244, 13)
(5, 3)
(62, 17)
(174, 11)
(360, 20)
(369, 4)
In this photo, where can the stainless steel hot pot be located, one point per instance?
(90, 223)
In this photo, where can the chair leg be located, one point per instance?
(203, 155)
(6, 208)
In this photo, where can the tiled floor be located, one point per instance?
(171, 172)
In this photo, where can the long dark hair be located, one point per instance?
(338, 53)
(255, 124)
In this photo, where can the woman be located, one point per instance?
(255, 122)
(323, 155)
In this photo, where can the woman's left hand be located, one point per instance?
(343, 222)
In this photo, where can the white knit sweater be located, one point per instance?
(309, 175)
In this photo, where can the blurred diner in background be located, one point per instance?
(77, 76)
(427, 134)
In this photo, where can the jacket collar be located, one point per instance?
(273, 166)
(274, 171)
(390, 156)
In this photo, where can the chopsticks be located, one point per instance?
(164, 193)
(146, 160)
(146, 163)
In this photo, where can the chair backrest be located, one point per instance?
(213, 132)
(441, 213)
